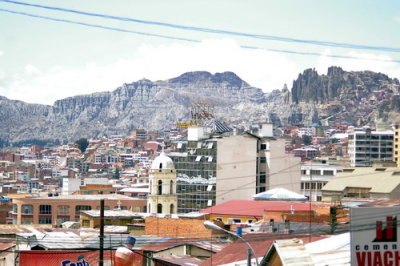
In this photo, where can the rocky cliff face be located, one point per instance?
(315, 88)
(141, 104)
(354, 97)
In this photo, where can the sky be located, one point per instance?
(48, 54)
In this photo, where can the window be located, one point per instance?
(105, 207)
(63, 209)
(263, 146)
(44, 220)
(27, 220)
(315, 172)
(307, 185)
(262, 177)
(303, 172)
(263, 159)
(45, 209)
(27, 209)
(328, 172)
(313, 185)
(15, 208)
(85, 223)
(319, 185)
(80, 208)
(319, 198)
(159, 187)
(159, 208)
(302, 185)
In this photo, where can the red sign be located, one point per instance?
(60, 257)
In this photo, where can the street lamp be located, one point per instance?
(250, 250)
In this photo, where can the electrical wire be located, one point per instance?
(285, 51)
(216, 31)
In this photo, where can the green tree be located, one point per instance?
(82, 144)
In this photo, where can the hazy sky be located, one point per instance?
(43, 60)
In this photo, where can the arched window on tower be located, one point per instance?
(171, 208)
(160, 167)
(159, 187)
(171, 187)
(159, 208)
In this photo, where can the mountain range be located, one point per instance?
(357, 98)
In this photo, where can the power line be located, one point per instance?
(215, 31)
(284, 51)
(97, 26)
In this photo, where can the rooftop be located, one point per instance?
(379, 180)
(254, 208)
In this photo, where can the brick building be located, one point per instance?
(56, 210)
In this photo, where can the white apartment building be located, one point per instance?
(314, 176)
(367, 146)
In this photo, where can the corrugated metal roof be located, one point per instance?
(333, 250)
(179, 260)
(113, 213)
(254, 208)
(366, 177)
(217, 126)
(292, 252)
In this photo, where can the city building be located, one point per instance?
(367, 146)
(396, 144)
(214, 166)
(315, 174)
(363, 182)
(56, 210)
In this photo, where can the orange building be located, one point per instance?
(56, 210)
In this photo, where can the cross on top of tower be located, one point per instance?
(162, 146)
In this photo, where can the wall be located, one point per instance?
(236, 168)
(168, 227)
(284, 169)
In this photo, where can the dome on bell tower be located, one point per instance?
(162, 162)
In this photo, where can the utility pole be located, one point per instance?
(101, 257)
(310, 202)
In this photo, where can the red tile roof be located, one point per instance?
(254, 207)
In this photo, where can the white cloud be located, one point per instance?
(260, 68)
(397, 19)
(369, 61)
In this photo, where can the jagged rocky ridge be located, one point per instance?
(161, 104)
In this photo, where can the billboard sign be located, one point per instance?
(375, 236)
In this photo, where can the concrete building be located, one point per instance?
(162, 195)
(363, 182)
(396, 144)
(214, 167)
(367, 146)
(249, 164)
(316, 174)
(56, 210)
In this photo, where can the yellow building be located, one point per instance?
(396, 144)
